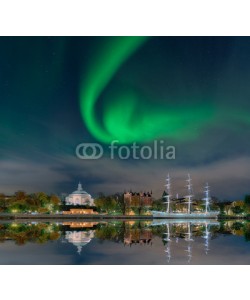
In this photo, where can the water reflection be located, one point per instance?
(79, 238)
(206, 236)
(138, 236)
(176, 240)
(78, 233)
(167, 240)
(22, 233)
(186, 230)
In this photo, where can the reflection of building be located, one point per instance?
(137, 236)
(79, 197)
(80, 224)
(79, 238)
(138, 199)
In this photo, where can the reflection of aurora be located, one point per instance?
(79, 238)
(183, 121)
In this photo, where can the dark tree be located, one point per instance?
(247, 200)
(237, 210)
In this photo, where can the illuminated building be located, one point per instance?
(79, 197)
(80, 211)
(132, 199)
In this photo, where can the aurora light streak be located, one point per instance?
(191, 92)
(121, 120)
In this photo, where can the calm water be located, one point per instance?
(130, 242)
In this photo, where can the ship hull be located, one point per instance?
(161, 221)
(192, 215)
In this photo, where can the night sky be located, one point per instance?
(190, 92)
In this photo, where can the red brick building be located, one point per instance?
(133, 199)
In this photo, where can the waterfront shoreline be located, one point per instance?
(97, 217)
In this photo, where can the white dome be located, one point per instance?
(79, 197)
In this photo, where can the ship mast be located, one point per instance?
(189, 196)
(167, 196)
(207, 198)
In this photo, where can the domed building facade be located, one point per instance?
(79, 197)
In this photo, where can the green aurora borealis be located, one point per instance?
(121, 120)
(58, 92)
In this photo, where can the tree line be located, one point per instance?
(40, 202)
(36, 202)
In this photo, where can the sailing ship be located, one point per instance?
(189, 214)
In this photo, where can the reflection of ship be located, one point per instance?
(206, 236)
(207, 214)
(188, 238)
(185, 230)
(158, 222)
(79, 238)
(168, 240)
